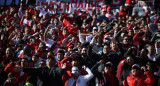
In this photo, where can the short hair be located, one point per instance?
(43, 61)
(36, 55)
(25, 59)
(61, 51)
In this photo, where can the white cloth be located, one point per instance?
(49, 43)
(25, 21)
(89, 38)
(153, 18)
(81, 39)
(20, 14)
(151, 57)
(82, 79)
(109, 16)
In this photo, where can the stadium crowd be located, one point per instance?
(40, 47)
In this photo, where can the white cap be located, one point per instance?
(95, 28)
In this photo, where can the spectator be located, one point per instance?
(139, 78)
(78, 79)
(11, 80)
(126, 69)
(45, 77)
(102, 17)
(105, 77)
(42, 63)
(44, 38)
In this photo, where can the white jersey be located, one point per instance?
(82, 79)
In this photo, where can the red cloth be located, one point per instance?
(156, 21)
(130, 26)
(122, 14)
(21, 54)
(137, 38)
(62, 61)
(54, 15)
(139, 80)
(67, 20)
(2, 17)
(129, 3)
(146, 14)
(5, 61)
(119, 67)
(32, 12)
(107, 79)
(9, 31)
(73, 31)
(74, 84)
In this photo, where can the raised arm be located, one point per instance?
(33, 71)
(45, 34)
(89, 76)
(150, 78)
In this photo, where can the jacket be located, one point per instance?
(139, 80)
(46, 76)
(103, 78)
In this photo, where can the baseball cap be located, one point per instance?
(95, 28)
(109, 64)
(135, 66)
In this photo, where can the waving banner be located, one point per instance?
(68, 6)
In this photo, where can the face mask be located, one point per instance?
(74, 71)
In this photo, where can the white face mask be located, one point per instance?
(74, 71)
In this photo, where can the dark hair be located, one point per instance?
(36, 55)
(61, 51)
(24, 58)
(43, 61)
(30, 79)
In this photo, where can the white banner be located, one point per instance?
(141, 10)
(142, 7)
(68, 6)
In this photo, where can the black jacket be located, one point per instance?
(126, 70)
(46, 76)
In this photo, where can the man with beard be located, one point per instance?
(51, 43)
(85, 59)
(125, 43)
